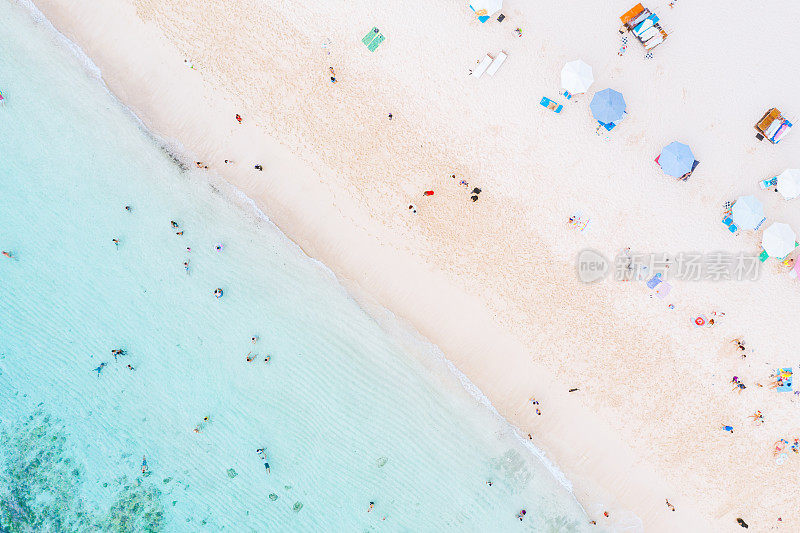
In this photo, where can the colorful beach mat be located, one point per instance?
(784, 380)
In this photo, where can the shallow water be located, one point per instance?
(348, 410)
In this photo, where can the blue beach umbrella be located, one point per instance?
(747, 212)
(607, 106)
(676, 159)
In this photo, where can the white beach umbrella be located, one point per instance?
(789, 183)
(778, 240)
(747, 212)
(486, 8)
(576, 77)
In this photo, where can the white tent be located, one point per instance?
(576, 77)
(778, 240)
(789, 183)
(486, 8)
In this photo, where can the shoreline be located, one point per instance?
(145, 73)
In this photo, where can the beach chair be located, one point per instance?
(567, 95)
(501, 57)
(763, 256)
(478, 71)
(555, 107)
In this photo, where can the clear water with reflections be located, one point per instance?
(347, 410)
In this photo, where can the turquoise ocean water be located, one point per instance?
(348, 410)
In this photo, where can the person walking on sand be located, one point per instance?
(670, 506)
(333, 74)
(729, 429)
(238, 118)
(259, 168)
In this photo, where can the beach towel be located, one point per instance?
(578, 221)
(784, 380)
(370, 36)
(662, 290)
(376, 42)
(655, 280)
(551, 105)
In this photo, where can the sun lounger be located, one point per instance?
(567, 95)
(478, 71)
(551, 105)
(763, 256)
(501, 57)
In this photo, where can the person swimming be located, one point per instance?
(249, 357)
(128, 208)
(218, 247)
(254, 339)
(99, 369)
(10, 255)
(218, 292)
(371, 506)
(174, 224)
(267, 358)
(186, 266)
(130, 367)
(144, 464)
(116, 242)
(521, 514)
(263, 455)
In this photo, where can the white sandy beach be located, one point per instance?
(493, 283)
